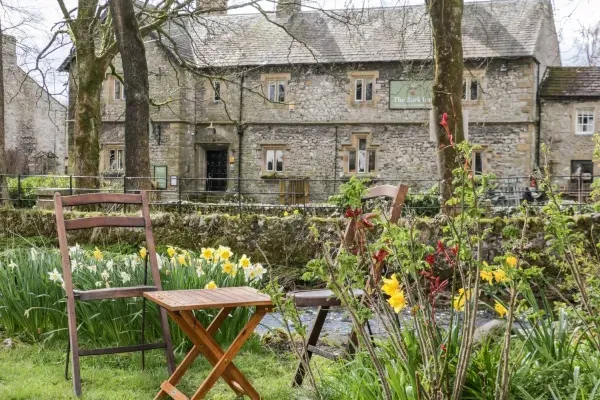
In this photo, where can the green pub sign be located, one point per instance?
(410, 94)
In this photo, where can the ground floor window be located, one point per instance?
(361, 157)
(160, 176)
(274, 159)
(115, 159)
(478, 163)
(583, 169)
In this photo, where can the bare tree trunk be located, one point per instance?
(137, 96)
(3, 189)
(446, 25)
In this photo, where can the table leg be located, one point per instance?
(225, 358)
(194, 352)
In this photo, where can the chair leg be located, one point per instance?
(74, 344)
(313, 338)
(167, 339)
(67, 360)
(143, 339)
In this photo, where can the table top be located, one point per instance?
(199, 299)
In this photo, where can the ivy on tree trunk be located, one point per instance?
(3, 187)
(446, 26)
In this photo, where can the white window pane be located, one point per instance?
(585, 121)
(119, 159)
(272, 91)
(270, 160)
(279, 160)
(358, 90)
(362, 161)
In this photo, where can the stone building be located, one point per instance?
(570, 110)
(326, 95)
(34, 121)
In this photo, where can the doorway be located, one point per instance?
(216, 170)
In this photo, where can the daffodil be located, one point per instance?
(285, 213)
(98, 254)
(125, 277)
(500, 275)
(512, 261)
(110, 265)
(105, 275)
(397, 300)
(143, 253)
(55, 276)
(487, 276)
(224, 253)
(255, 272)
(500, 309)
(181, 259)
(296, 212)
(208, 253)
(244, 261)
(390, 285)
(211, 285)
(171, 252)
(230, 268)
(92, 268)
(460, 299)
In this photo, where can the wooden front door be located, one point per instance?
(216, 170)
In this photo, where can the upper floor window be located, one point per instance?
(115, 159)
(470, 89)
(276, 91)
(584, 124)
(361, 157)
(274, 160)
(363, 90)
(216, 91)
(118, 90)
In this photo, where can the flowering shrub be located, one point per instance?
(32, 299)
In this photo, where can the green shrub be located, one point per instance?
(29, 186)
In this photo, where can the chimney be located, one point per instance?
(9, 51)
(287, 8)
(213, 7)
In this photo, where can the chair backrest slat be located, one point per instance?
(98, 198)
(382, 191)
(94, 222)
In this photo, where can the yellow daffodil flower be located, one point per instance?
(487, 276)
(211, 285)
(512, 261)
(460, 299)
(397, 300)
(296, 212)
(181, 259)
(143, 253)
(171, 252)
(208, 253)
(500, 309)
(285, 213)
(98, 254)
(244, 262)
(500, 275)
(224, 253)
(390, 285)
(229, 268)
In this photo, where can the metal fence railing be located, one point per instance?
(271, 195)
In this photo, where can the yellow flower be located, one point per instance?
(397, 300)
(181, 259)
(296, 212)
(390, 285)
(500, 275)
(171, 252)
(512, 261)
(460, 299)
(224, 253)
(244, 261)
(285, 213)
(230, 268)
(487, 276)
(211, 285)
(98, 254)
(500, 309)
(208, 253)
(143, 252)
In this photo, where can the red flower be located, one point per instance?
(430, 258)
(454, 250)
(351, 213)
(444, 121)
(440, 246)
(366, 222)
(443, 347)
(380, 255)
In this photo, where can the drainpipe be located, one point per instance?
(335, 159)
(538, 134)
(240, 132)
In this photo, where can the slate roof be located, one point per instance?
(571, 82)
(498, 28)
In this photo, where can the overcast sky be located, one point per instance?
(36, 31)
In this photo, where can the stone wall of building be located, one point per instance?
(35, 121)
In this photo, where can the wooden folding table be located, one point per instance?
(180, 304)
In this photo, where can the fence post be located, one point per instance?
(180, 183)
(125, 191)
(579, 193)
(239, 193)
(19, 191)
(71, 185)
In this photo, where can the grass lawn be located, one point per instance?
(37, 372)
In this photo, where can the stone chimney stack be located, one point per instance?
(9, 51)
(287, 8)
(218, 7)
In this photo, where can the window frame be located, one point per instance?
(467, 88)
(279, 89)
(217, 91)
(592, 113)
(118, 83)
(477, 153)
(165, 179)
(276, 153)
(357, 157)
(119, 159)
(365, 83)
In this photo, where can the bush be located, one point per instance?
(29, 186)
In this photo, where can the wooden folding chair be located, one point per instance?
(324, 299)
(62, 227)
